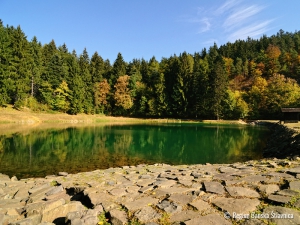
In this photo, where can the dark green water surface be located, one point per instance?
(45, 152)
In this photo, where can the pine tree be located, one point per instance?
(20, 66)
(118, 69)
(84, 65)
(97, 68)
(218, 87)
(6, 83)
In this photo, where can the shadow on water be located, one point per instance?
(43, 152)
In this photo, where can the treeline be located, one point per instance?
(246, 79)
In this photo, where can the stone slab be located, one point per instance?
(211, 219)
(268, 189)
(140, 203)
(242, 192)
(214, 187)
(184, 216)
(295, 185)
(200, 205)
(182, 199)
(280, 198)
(236, 205)
(278, 211)
(147, 214)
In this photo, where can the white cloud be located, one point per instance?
(252, 30)
(226, 6)
(205, 25)
(235, 19)
(240, 16)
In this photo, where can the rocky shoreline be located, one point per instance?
(255, 192)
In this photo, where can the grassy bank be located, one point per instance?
(9, 115)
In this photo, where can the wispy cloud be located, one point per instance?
(240, 16)
(205, 25)
(253, 30)
(234, 19)
(226, 6)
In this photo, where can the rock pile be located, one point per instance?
(255, 192)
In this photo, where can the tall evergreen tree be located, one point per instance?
(97, 68)
(20, 65)
(218, 87)
(6, 82)
(84, 65)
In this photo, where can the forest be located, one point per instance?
(247, 79)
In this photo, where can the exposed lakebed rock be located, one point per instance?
(157, 194)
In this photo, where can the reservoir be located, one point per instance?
(78, 149)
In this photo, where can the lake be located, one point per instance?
(76, 149)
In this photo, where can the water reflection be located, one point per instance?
(44, 152)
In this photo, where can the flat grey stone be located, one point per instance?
(277, 211)
(147, 214)
(186, 182)
(288, 192)
(280, 175)
(118, 217)
(214, 187)
(181, 198)
(39, 188)
(90, 220)
(165, 183)
(145, 189)
(211, 219)
(73, 215)
(52, 205)
(173, 190)
(295, 185)
(255, 179)
(226, 169)
(145, 182)
(55, 190)
(169, 207)
(295, 170)
(280, 198)
(184, 216)
(242, 192)
(200, 205)
(118, 192)
(140, 203)
(224, 176)
(36, 219)
(236, 205)
(98, 198)
(62, 211)
(268, 189)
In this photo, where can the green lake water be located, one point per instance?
(44, 152)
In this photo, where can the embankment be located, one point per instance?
(284, 141)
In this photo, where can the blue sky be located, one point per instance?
(142, 29)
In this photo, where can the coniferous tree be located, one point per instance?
(20, 66)
(6, 82)
(97, 68)
(218, 87)
(84, 65)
